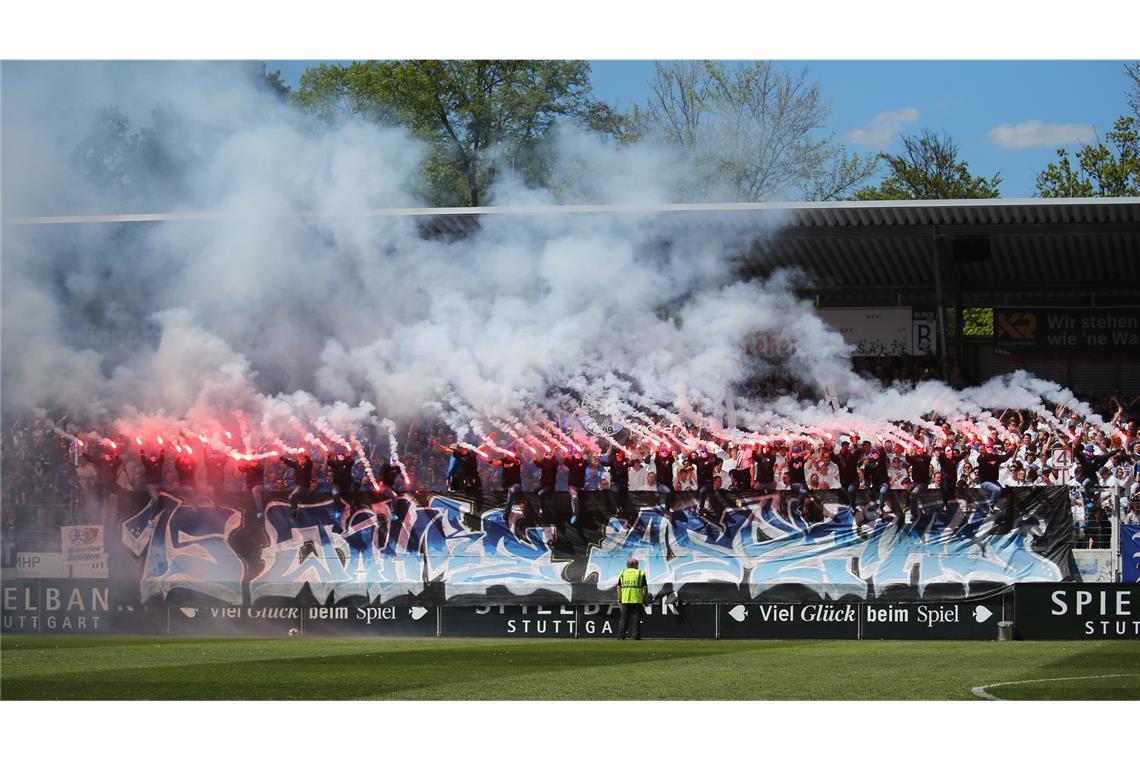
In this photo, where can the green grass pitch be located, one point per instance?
(43, 667)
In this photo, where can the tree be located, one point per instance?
(752, 132)
(1133, 73)
(477, 117)
(135, 166)
(1111, 170)
(929, 168)
(272, 82)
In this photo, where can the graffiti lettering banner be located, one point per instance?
(427, 549)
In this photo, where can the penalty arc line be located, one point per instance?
(980, 691)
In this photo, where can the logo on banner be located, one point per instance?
(1016, 325)
(83, 544)
(1130, 553)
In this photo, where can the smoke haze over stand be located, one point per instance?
(350, 317)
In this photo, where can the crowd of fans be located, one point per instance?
(48, 483)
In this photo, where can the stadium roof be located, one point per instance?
(1030, 249)
(1027, 247)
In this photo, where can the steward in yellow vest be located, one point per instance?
(631, 594)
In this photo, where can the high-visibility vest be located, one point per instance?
(631, 582)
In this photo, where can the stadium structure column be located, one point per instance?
(936, 265)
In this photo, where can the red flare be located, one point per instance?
(178, 448)
(80, 442)
(376, 487)
(236, 456)
(138, 440)
(228, 436)
(189, 450)
(113, 445)
(160, 440)
(202, 438)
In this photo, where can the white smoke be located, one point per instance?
(268, 312)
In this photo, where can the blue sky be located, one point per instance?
(1069, 100)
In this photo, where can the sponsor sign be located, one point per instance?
(527, 620)
(1094, 565)
(659, 620)
(1077, 611)
(41, 606)
(826, 620)
(41, 565)
(369, 620)
(937, 620)
(234, 620)
(82, 543)
(1101, 330)
(96, 569)
(768, 346)
(1130, 553)
(924, 332)
(871, 332)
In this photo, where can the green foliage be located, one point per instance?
(477, 117)
(1101, 170)
(978, 322)
(136, 166)
(929, 168)
(270, 81)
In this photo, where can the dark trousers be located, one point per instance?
(545, 511)
(575, 506)
(342, 499)
(295, 496)
(630, 618)
(617, 499)
(259, 499)
(706, 495)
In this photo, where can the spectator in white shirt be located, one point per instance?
(897, 472)
(1133, 516)
(638, 476)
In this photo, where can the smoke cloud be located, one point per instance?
(267, 311)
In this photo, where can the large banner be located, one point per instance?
(1130, 553)
(427, 549)
(871, 332)
(1100, 330)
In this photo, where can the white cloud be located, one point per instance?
(882, 129)
(1035, 134)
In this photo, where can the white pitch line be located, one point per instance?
(980, 691)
